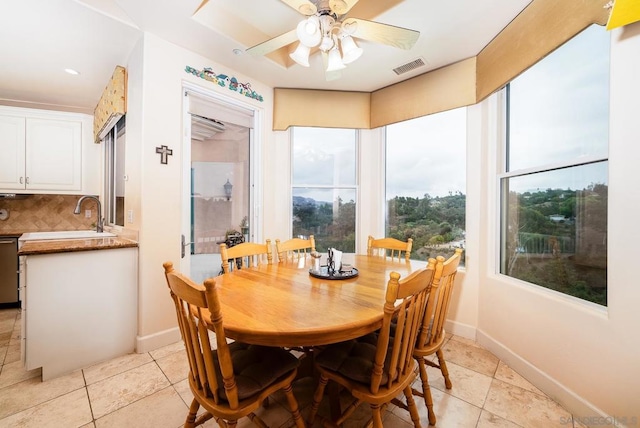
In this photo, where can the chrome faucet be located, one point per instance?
(100, 222)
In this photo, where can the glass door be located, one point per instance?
(220, 191)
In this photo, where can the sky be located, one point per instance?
(555, 120)
(427, 155)
(552, 120)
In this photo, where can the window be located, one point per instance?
(325, 186)
(425, 183)
(554, 188)
(114, 174)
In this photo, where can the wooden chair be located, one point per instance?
(232, 381)
(246, 254)
(432, 332)
(295, 248)
(376, 367)
(391, 247)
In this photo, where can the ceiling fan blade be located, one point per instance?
(273, 44)
(340, 7)
(329, 75)
(305, 7)
(391, 35)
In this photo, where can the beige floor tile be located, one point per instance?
(451, 412)
(183, 389)
(17, 331)
(167, 350)
(392, 421)
(89, 425)
(3, 353)
(69, 410)
(466, 341)
(469, 355)
(31, 392)
(175, 366)
(114, 367)
(508, 375)
(13, 353)
(7, 324)
(164, 408)
(578, 424)
(5, 337)
(524, 407)
(603, 422)
(115, 392)
(489, 420)
(15, 372)
(9, 314)
(467, 384)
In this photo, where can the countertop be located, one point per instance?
(30, 248)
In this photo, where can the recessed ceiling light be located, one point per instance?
(72, 71)
(238, 51)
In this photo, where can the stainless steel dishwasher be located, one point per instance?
(9, 272)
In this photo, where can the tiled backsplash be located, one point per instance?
(42, 213)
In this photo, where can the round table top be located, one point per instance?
(283, 305)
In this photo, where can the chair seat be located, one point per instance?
(256, 367)
(353, 359)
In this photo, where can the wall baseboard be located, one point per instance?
(459, 329)
(582, 410)
(157, 340)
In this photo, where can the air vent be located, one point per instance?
(416, 63)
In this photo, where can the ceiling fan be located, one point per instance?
(327, 29)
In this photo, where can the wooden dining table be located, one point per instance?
(282, 304)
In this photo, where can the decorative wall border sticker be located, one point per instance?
(225, 81)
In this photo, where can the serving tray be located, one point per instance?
(324, 274)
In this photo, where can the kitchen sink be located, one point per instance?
(64, 234)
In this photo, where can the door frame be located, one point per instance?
(255, 157)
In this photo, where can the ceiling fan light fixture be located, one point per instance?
(350, 50)
(301, 55)
(339, 7)
(326, 44)
(334, 62)
(308, 31)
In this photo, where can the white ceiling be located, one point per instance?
(40, 38)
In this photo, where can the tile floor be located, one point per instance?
(151, 390)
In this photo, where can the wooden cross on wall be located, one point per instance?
(164, 152)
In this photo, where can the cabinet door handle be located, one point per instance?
(21, 180)
(27, 180)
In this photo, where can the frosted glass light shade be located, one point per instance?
(334, 62)
(301, 55)
(350, 51)
(308, 31)
(326, 44)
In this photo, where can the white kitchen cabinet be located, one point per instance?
(79, 308)
(43, 152)
(12, 161)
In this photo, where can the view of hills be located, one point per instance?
(555, 238)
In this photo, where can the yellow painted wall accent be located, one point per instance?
(328, 109)
(439, 90)
(538, 30)
(113, 102)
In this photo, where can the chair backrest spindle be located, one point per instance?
(389, 247)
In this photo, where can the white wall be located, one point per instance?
(155, 118)
(585, 356)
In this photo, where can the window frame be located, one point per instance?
(503, 173)
(355, 187)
